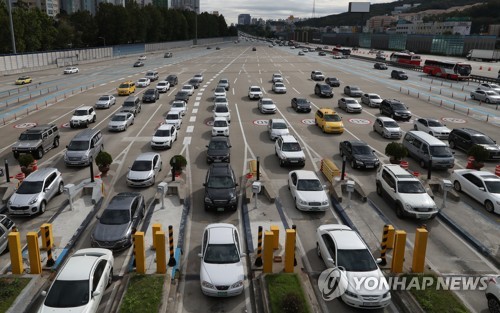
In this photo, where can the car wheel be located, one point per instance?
(493, 304)
(56, 142)
(323, 129)
(457, 186)
(93, 119)
(400, 211)
(318, 250)
(60, 188)
(16, 155)
(452, 144)
(39, 153)
(423, 164)
(487, 100)
(110, 278)
(353, 164)
(41, 209)
(87, 124)
(415, 127)
(472, 97)
(282, 163)
(488, 205)
(379, 190)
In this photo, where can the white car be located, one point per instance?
(105, 102)
(71, 70)
(81, 282)
(188, 88)
(483, 186)
(489, 86)
(174, 118)
(220, 127)
(493, 294)
(142, 57)
(198, 77)
(342, 248)
(164, 136)
(143, 82)
(220, 92)
(277, 78)
(163, 86)
(222, 110)
(254, 92)
(277, 127)
(82, 117)
(6, 226)
(221, 270)
(121, 121)
(179, 105)
(307, 191)
(143, 171)
(266, 105)
(279, 87)
(350, 105)
(372, 100)
(432, 126)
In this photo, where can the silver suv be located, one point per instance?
(289, 151)
(406, 192)
(37, 140)
(387, 127)
(36, 191)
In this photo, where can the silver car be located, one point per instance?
(387, 127)
(143, 171)
(489, 86)
(353, 91)
(121, 121)
(36, 191)
(488, 96)
(432, 126)
(350, 105)
(372, 100)
(277, 127)
(6, 225)
(105, 102)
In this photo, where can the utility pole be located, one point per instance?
(12, 36)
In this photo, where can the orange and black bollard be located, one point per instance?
(48, 243)
(383, 245)
(294, 227)
(171, 261)
(258, 260)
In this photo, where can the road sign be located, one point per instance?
(454, 120)
(209, 122)
(65, 125)
(25, 125)
(308, 121)
(261, 122)
(359, 121)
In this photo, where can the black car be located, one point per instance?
(380, 66)
(172, 79)
(399, 74)
(194, 82)
(118, 220)
(151, 95)
(219, 150)
(465, 138)
(322, 53)
(138, 64)
(359, 154)
(168, 55)
(332, 81)
(323, 90)
(380, 57)
(220, 188)
(301, 105)
(394, 109)
(254, 49)
(182, 95)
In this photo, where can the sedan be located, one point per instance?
(373, 100)
(301, 53)
(81, 282)
(493, 294)
(179, 106)
(164, 136)
(222, 271)
(118, 221)
(142, 57)
(359, 154)
(332, 81)
(151, 95)
(487, 96)
(194, 82)
(432, 126)
(224, 82)
(307, 191)
(71, 70)
(182, 95)
(143, 82)
(198, 77)
(350, 105)
(380, 66)
(266, 105)
(188, 88)
(138, 64)
(279, 87)
(105, 102)
(301, 105)
(387, 127)
(163, 86)
(121, 121)
(353, 91)
(489, 86)
(219, 91)
(24, 80)
(483, 186)
(323, 90)
(143, 171)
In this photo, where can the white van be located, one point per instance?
(425, 149)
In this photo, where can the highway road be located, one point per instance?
(243, 67)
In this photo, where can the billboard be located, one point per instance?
(359, 7)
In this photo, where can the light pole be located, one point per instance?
(195, 42)
(103, 40)
(12, 36)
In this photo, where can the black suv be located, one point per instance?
(151, 95)
(220, 188)
(399, 74)
(464, 138)
(323, 90)
(172, 79)
(395, 109)
(37, 140)
(332, 81)
(380, 66)
(301, 105)
(219, 150)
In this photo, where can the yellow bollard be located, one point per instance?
(290, 250)
(46, 237)
(398, 255)
(34, 253)
(16, 257)
(252, 167)
(156, 228)
(419, 250)
(268, 252)
(390, 237)
(139, 252)
(161, 253)
(276, 238)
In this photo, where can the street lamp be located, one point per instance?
(103, 40)
(195, 42)
(12, 36)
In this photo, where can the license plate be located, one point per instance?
(369, 166)
(370, 304)
(423, 216)
(221, 293)
(294, 161)
(220, 209)
(314, 208)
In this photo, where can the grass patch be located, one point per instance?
(286, 294)
(143, 294)
(433, 300)
(10, 288)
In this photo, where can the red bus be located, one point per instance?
(447, 69)
(405, 58)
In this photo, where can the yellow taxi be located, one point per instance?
(23, 80)
(329, 121)
(126, 88)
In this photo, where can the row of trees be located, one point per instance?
(36, 31)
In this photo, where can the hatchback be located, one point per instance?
(143, 171)
(387, 127)
(220, 127)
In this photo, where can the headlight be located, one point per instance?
(359, 162)
(237, 284)
(387, 294)
(302, 201)
(206, 284)
(351, 294)
(207, 199)
(233, 199)
(324, 203)
(408, 207)
(85, 158)
(9, 203)
(33, 201)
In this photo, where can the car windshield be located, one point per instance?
(162, 133)
(279, 126)
(356, 260)
(391, 124)
(220, 182)
(325, 87)
(150, 74)
(149, 92)
(181, 94)
(309, 185)
(178, 105)
(351, 101)
(141, 165)
(291, 146)
(193, 82)
(354, 88)
(374, 97)
(30, 187)
(78, 145)
(217, 145)
(124, 86)
(187, 87)
(142, 80)
(434, 123)
(68, 294)
(255, 89)
(482, 140)
(490, 93)
(223, 81)
(172, 117)
(279, 85)
(80, 113)
(221, 109)
(115, 217)
(267, 102)
(398, 106)
(332, 118)
(221, 254)
(220, 89)
(30, 137)
(493, 186)
(220, 100)
(362, 150)
(161, 84)
(129, 104)
(410, 187)
(104, 98)
(440, 151)
(119, 118)
(302, 101)
(220, 124)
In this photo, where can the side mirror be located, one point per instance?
(330, 260)
(97, 217)
(44, 293)
(243, 255)
(206, 146)
(204, 184)
(378, 260)
(96, 293)
(200, 255)
(236, 185)
(66, 147)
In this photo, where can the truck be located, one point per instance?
(483, 55)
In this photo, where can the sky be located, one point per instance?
(276, 9)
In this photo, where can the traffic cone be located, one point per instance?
(470, 162)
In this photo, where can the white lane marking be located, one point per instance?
(196, 104)
(190, 129)
(195, 111)
(185, 142)
(192, 118)
(296, 90)
(198, 98)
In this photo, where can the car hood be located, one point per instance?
(110, 232)
(280, 132)
(222, 274)
(76, 153)
(312, 196)
(220, 193)
(78, 309)
(149, 96)
(116, 123)
(375, 101)
(80, 118)
(402, 111)
(173, 122)
(139, 174)
(393, 129)
(217, 152)
(161, 138)
(361, 278)
(419, 200)
(103, 102)
(24, 199)
(269, 106)
(491, 147)
(441, 129)
(365, 157)
(354, 105)
(27, 143)
(294, 154)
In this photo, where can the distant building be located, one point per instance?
(244, 19)
(434, 28)
(379, 24)
(51, 7)
(192, 5)
(162, 3)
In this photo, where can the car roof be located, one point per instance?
(220, 138)
(327, 111)
(40, 174)
(85, 107)
(385, 119)
(278, 120)
(399, 172)
(304, 174)
(166, 127)
(357, 142)
(78, 267)
(288, 138)
(482, 174)
(220, 233)
(174, 112)
(220, 118)
(347, 239)
(146, 156)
